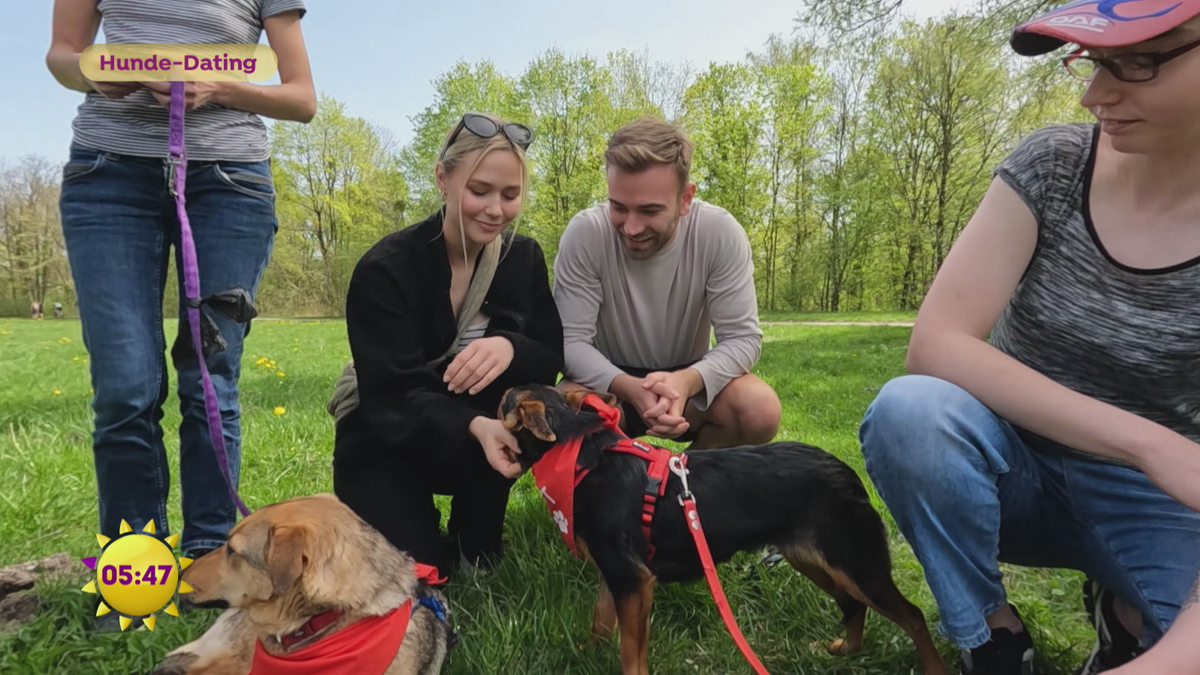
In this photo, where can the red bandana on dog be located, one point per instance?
(365, 647)
(557, 474)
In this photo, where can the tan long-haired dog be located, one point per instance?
(297, 575)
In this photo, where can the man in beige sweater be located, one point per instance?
(643, 280)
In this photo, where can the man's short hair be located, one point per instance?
(647, 141)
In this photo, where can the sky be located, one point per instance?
(380, 57)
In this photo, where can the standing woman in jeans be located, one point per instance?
(119, 223)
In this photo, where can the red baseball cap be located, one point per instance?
(1101, 23)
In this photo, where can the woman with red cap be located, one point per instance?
(1052, 417)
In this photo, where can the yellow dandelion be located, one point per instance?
(5, 332)
(64, 340)
(261, 360)
(279, 373)
(56, 392)
(280, 410)
(74, 358)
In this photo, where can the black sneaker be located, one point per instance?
(1006, 653)
(1115, 646)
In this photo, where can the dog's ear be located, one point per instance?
(286, 558)
(530, 414)
(574, 398)
(533, 418)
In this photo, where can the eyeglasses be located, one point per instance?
(484, 127)
(1136, 67)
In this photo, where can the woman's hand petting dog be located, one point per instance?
(476, 366)
(499, 445)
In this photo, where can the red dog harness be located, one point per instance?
(365, 647)
(558, 473)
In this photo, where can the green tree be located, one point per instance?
(726, 120)
(792, 88)
(33, 263)
(847, 19)
(848, 188)
(340, 189)
(569, 104)
(939, 114)
(642, 87)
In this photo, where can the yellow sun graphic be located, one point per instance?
(137, 574)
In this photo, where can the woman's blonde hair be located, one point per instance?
(466, 143)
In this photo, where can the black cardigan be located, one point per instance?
(399, 317)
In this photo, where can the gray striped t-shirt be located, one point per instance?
(1125, 336)
(137, 124)
(471, 334)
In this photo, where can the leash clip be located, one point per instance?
(677, 468)
(173, 163)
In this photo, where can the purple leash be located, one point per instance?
(191, 282)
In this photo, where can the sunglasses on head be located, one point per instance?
(484, 127)
(1137, 67)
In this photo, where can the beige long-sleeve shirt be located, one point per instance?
(661, 312)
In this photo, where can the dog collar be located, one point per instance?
(310, 628)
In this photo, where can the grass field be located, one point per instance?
(530, 613)
(840, 317)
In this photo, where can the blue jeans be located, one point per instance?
(967, 493)
(119, 224)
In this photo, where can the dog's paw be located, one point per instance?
(176, 664)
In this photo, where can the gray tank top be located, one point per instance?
(1129, 337)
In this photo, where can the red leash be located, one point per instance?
(688, 501)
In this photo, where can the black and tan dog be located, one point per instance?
(304, 571)
(797, 497)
